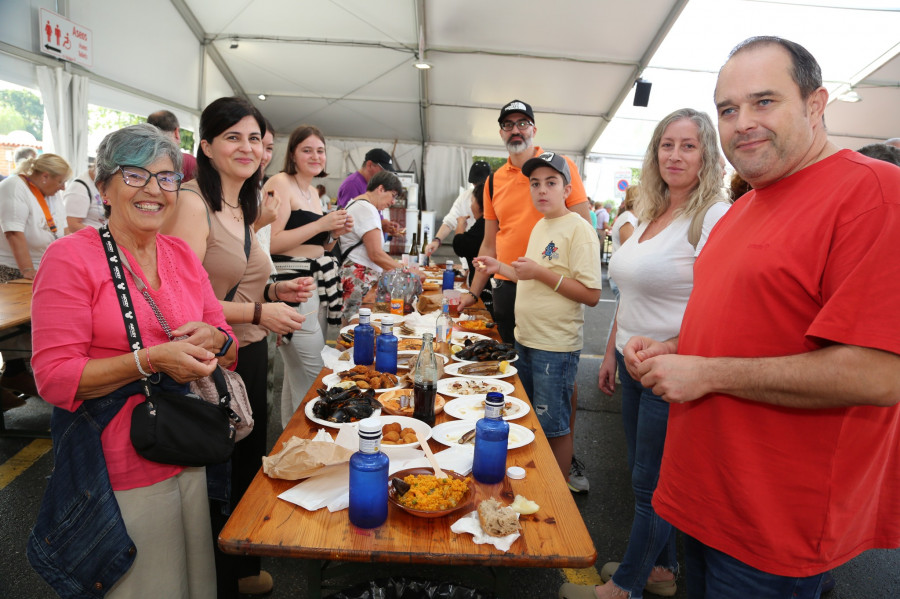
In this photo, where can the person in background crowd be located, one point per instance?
(884, 152)
(168, 124)
(323, 198)
(23, 154)
(83, 364)
(32, 216)
(798, 336)
(84, 208)
(462, 209)
(509, 217)
(214, 216)
(366, 259)
(356, 184)
(680, 201)
(738, 187)
(623, 227)
(602, 215)
(301, 238)
(466, 243)
(894, 141)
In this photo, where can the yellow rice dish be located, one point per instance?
(429, 493)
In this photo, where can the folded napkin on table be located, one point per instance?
(472, 525)
(331, 359)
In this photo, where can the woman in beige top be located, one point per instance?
(215, 213)
(301, 238)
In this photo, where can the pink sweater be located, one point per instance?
(76, 317)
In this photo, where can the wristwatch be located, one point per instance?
(227, 345)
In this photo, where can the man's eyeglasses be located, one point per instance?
(135, 176)
(520, 125)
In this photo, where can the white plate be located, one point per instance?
(471, 407)
(455, 359)
(332, 380)
(309, 414)
(422, 430)
(453, 370)
(472, 386)
(459, 337)
(404, 356)
(449, 433)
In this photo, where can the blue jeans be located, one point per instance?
(548, 378)
(652, 539)
(716, 575)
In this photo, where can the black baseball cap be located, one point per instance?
(381, 158)
(516, 106)
(551, 159)
(479, 172)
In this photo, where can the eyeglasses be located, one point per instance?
(135, 176)
(520, 125)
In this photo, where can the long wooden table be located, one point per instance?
(554, 537)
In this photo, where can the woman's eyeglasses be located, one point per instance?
(135, 176)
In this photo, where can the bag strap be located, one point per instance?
(491, 187)
(695, 231)
(247, 241)
(114, 256)
(42, 202)
(344, 255)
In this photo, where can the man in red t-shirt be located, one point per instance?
(783, 442)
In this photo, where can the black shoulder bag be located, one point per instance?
(169, 427)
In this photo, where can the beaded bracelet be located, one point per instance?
(137, 361)
(559, 282)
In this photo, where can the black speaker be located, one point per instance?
(642, 92)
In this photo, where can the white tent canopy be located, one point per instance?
(347, 67)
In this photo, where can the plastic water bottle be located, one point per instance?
(444, 325)
(364, 339)
(491, 440)
(449, 275)
(369, 478)
(425, 382)
(386, 347)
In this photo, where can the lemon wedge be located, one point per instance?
(524, 506)
(456, 348)
(503, 366)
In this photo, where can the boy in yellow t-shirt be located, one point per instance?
(558, 275)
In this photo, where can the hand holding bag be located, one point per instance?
(170, 427)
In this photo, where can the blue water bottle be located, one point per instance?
(386, 347)
(491, 439)
(364, 339)
(449, 275)
(369, 477)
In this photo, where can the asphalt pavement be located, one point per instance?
(607, 509)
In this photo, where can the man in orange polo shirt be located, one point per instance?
(509, 215)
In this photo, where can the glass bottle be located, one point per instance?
(491, 439)
(425, 382)
(423, 257)
(369, 477)
(386, 347)
(449, 275)
(364, 339)
(414, 253)
(383, 292)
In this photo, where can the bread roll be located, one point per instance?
(496, 520)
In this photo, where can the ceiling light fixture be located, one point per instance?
(262, 97)
(421, 65)
(850, 96)
(234, 44)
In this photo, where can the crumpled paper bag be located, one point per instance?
(472, 525)
(302, 458)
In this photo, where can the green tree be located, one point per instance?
(28, 106)
(10, 120)
(101, 118)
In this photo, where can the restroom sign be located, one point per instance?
(62, 38)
